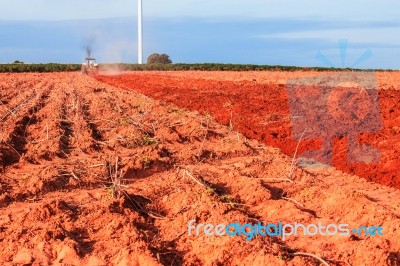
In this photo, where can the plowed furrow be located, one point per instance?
(89, 135)
(95, 132)
(43, 136)
(108, 127)
(17, 139)
(7, 96)
(66, 130)
(16, 105)
(16, 97)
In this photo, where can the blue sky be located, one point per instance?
(273, 32)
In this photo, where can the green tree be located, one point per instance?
(158, 59)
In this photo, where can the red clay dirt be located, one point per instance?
(95, 175)
(256, 103)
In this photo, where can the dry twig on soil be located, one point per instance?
(311, 255)
(294, 156)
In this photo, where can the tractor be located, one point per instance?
(90, 67)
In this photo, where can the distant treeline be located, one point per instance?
(222, 67)
(17, 68)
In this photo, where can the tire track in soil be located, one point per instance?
(94, 130)
(66, 128)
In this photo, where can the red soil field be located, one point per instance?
(95, 175)
(256, 103)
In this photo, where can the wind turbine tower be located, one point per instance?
(140, 32)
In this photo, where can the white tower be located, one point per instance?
(140, 32)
